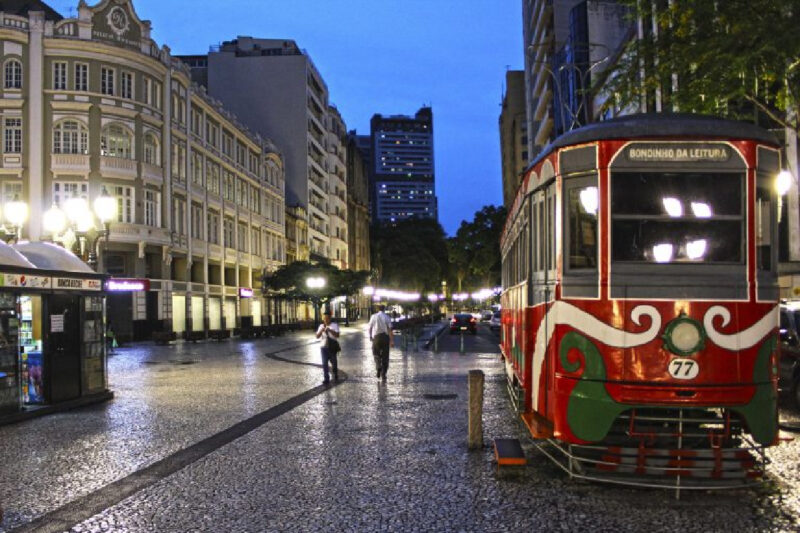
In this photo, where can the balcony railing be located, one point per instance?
(118, 166)
(62, 163)
(152, 172)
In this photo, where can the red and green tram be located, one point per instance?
(640, 300)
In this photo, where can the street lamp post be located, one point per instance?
(16, 213)
(314, 283)
(76, 221)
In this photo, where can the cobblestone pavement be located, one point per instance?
(240, 436)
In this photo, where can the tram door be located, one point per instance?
(63, 347)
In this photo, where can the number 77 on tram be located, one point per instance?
(640, 300)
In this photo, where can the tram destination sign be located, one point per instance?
(678, 152)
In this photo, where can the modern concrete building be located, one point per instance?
(513, 134)
(275, 88)
(336, 165)
(402, 174)
(357, 203)
(92, 104)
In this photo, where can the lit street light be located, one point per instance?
(314, 283)
(76, 222)
(16, 213)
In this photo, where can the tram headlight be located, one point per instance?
(684, 336)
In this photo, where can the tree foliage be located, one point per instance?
(475, 250)
(409, 255)
(736, 58)
(289, 281)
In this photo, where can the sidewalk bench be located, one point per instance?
(219, 334)
(164, 337)
(509, 452)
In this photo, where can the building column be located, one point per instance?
(34, 123)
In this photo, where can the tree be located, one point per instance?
(475, 249)
(289, 282)
(410, 254)
(737, 58)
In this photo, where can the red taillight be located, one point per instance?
(453, 321)
(472, 319)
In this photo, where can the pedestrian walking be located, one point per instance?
(329, 347)
(380, 333)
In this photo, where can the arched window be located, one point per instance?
(70, 137)
(13, 74)
(152, 153)
(115, 141)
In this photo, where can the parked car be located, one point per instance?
(789, 367)
(486, 315)
(463, 322)
(494, 323)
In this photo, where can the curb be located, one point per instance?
(68, 405)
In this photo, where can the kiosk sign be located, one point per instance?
(74, 284)
(245, 292)
(24, 281)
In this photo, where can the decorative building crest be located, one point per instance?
(118, 20)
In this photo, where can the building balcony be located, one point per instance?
(122, 232)
(118, 167)
(68, 163)
(152, 172)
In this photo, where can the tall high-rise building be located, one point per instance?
(357, 203)
(513, 135)
(273, 86)
(402, 177)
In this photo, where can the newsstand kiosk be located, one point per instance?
(52, 329)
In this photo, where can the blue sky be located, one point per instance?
(382, 56)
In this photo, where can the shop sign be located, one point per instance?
(127, 285)
(245, 292)
(77, 284)
(24, 281)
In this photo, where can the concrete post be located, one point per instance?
(475, 436)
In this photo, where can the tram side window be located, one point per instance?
(677, 217)
(764, 233)
(582, 203)
(551, 230)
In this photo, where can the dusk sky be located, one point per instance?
(381, 56)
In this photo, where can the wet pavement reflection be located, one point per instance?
(355, 456)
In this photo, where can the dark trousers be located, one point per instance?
(327, 355)
(380, 352)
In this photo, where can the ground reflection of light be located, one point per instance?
(673, 207)
(662, 253)
(696, 249)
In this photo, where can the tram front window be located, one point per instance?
(687, 217)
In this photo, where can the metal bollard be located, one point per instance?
(475, 419)
(436, 343)
(461, 350)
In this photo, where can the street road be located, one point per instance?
(242, 437)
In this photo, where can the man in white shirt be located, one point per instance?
(380, 333)
(330, 330)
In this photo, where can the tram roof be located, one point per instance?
(659, 125)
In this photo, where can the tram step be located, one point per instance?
(508, 452)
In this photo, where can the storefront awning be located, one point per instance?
(50, 256)
(11, 257)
